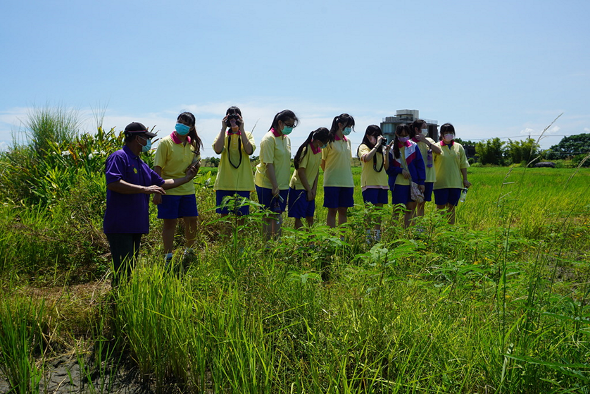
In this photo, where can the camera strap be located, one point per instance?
(239, 151)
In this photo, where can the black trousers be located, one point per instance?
(124, 252)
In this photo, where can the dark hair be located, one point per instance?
(417, 124)
(345, 119)
(321, 134)
(189, 119)
(447, 128)
(283, 116)
(399, 129)
(375, 131)
(372, 130)
(233, 109)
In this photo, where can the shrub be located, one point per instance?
(490, 151)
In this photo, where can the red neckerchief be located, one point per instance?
(415, 140)
(230, 132)
(442, 143)
(177, 140)
(315, 150)
(276, 133)
(338, 138)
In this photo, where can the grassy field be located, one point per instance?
(497, 303)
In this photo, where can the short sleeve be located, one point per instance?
(363, 150)
(305, 159)
(464, 162)
(114, 168)
(215, 141)
(267, 150)
(325, 151)
(161, 155)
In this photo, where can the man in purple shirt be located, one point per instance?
(129, 182)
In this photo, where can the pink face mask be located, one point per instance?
(448, 137)
(403, 140)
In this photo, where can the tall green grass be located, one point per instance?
(21, 342)
(497, 303)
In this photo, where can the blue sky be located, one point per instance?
(493, 69)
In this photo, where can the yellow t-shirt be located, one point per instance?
(448, 166)
(369, 177)
(275, 150)
(229, 177)
(311, 162)
(338, 158)
(430, 172)
(174, 158)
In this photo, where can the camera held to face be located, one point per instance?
(233, 122)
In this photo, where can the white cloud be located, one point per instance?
(554, 129)
(587, 129)
(528, 131)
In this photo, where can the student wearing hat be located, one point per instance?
(129, 182)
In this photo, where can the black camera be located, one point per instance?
(233, 117)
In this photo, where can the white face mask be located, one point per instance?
(425, 132)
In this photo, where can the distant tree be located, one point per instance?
(469, 147)
(573, 145)
(211, 161)
(522, 151)
(465, 142)
(490, 151)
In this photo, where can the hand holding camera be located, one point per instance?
(233, 121)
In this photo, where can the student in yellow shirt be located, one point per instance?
(451, 172)
(174, 155)
(337, 163)
(274, 171)
(234, 180)
(304, 182)
(374, 155)
(427, 146)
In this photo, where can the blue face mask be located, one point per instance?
(182, 129)
(287, 130)
(347, 130)
(147, 146)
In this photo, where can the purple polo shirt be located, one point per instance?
(128, 213)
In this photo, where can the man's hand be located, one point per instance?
(153, 189)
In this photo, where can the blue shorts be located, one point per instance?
(375, 196)
(174, 207)
(428, 191)
(232, 205)
(338, 197)
(400, 194)
(299, 207)
(447, 196)
(270, 202)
